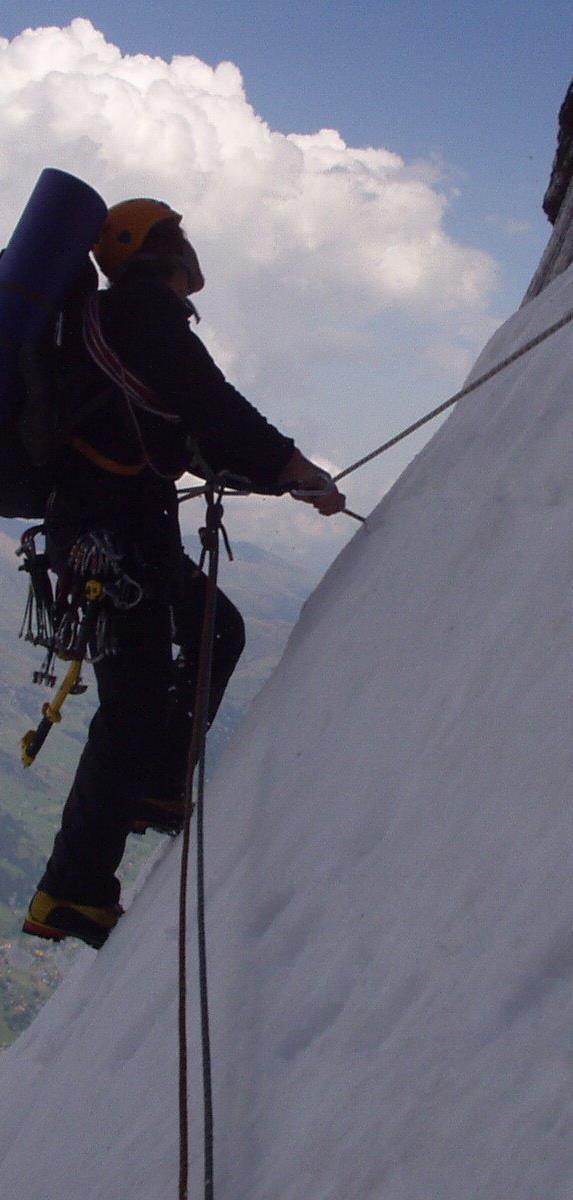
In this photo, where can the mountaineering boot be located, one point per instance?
(56, 919)
(164, 816)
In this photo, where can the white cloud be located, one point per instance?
(326, 218)
(305, 240)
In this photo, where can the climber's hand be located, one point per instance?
(311, 484)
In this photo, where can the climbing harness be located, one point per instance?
(213, 492)
(76, 623)
(465, 391)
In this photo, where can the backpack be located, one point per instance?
(44, 263)
(37, 426)
(25, 484)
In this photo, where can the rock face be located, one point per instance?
(558, 204)
(562, 170)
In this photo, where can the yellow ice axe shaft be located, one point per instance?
(34, 739)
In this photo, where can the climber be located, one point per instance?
(116, 499)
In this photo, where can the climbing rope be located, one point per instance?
(214, 490)
(210, 542)
(465, 391)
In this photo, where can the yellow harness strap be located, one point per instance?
(101, 460)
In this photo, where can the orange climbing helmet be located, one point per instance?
(125, 230)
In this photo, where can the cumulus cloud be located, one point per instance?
(324, 217)
(306, 242)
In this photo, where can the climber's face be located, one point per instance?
(187, 278)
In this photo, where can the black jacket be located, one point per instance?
(147, 326)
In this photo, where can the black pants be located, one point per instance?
(139, 737)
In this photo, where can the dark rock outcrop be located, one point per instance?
(562, 170)
(558, 204)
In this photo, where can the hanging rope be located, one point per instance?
(465, 391)
(210, 541)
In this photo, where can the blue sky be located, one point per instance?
(477, 84)
(470, 92)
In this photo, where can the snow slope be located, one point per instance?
(390, 836)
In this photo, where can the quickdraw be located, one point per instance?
(74, 624)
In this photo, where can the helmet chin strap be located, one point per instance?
(192, 310)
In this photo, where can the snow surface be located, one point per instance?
(389, 840)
